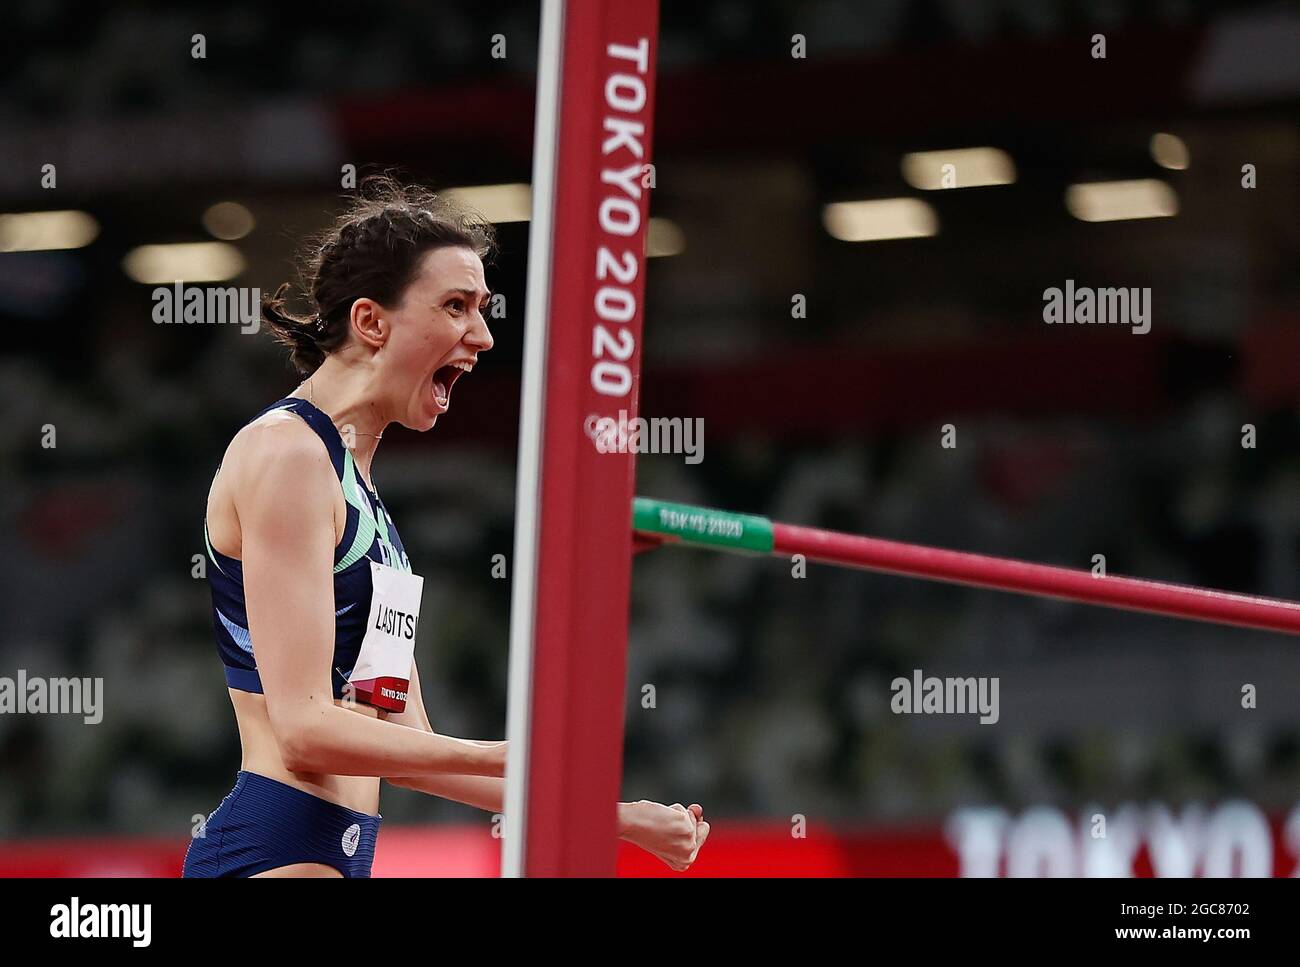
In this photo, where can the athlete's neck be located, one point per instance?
(347, 394)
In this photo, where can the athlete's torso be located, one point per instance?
(366, 534)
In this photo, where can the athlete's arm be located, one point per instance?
(284, 501)
(672, 833)
(482, 792)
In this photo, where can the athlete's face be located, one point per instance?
(435, 335)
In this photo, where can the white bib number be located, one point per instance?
(382, 673)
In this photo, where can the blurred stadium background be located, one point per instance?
(772, 692)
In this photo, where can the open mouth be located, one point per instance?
(443, 380)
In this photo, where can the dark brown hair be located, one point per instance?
(373, 251)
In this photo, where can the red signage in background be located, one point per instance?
(1230, 838)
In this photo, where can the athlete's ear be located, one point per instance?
(368, 324)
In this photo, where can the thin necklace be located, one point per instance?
(312, 401)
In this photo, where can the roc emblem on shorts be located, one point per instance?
(351, 839)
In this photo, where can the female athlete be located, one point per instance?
(315, 605)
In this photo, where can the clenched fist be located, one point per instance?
(673, 833)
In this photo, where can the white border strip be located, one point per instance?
(532, 412)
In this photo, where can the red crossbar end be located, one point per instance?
(646, 542)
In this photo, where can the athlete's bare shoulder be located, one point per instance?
(274, 442)
(280, 454)
(275, 468)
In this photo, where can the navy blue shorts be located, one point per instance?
(262, 824)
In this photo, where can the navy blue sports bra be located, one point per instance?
(369, 536)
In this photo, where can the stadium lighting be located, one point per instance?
(880, 219)
(187, 262)
(1170, 151)
(228, 220)
(46, 231)
(1111, 201)
(958, 168)
(665, 238)
(498, 203)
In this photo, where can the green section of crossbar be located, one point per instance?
(702, 525)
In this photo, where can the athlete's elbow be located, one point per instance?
(299, 753)
(300, 737)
